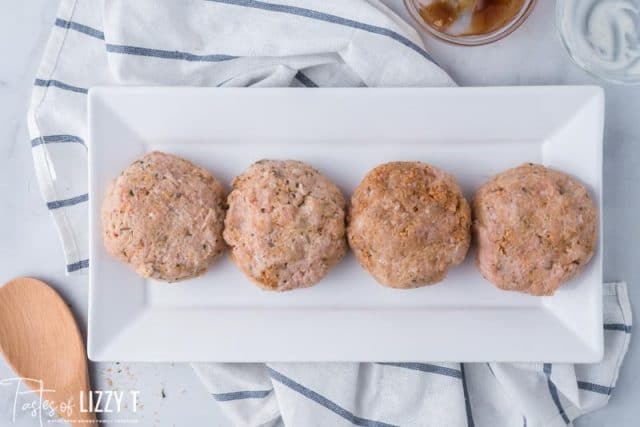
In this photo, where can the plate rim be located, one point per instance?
(102, 352)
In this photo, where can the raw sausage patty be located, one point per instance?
(408, 224)
(535, 228)
(164, 217)
(285, 224)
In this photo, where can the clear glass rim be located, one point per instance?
(476, 40)
(601, 75)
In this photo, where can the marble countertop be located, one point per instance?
(170, 394)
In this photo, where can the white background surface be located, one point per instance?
(29, 246)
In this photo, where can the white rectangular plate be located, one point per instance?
(473, 133)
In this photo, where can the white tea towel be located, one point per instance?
(287, 43)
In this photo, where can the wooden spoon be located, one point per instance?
(41, 341)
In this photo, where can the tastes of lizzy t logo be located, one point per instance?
(94, 401)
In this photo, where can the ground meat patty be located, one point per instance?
(164, 217)
(408, 224)
(285, 224)
(535, 227)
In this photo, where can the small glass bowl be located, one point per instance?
(470, 40)
(572, 21)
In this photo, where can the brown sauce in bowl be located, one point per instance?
(486, 15)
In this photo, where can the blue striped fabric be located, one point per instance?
(467, 399)
(57, 204)
(553, 391)
(80, 28)
(57, 139)
(79, 265)
(240, 395)
(596, 388)
(60, 85)
(167, 54)
(305, 80)
(617, 327)
(321, 400)
(327, 17)
(426, 367)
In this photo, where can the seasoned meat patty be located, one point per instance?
(285, 224)
(164, 217)
(408, 224)
(535, 227)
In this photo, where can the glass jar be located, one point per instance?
(469, 22)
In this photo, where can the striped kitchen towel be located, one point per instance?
(303, 43)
